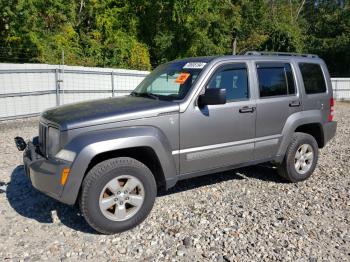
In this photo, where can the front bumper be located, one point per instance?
(44, 174)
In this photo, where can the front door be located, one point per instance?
(216, 136)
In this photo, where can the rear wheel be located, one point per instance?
(117, 194)
(300, 159)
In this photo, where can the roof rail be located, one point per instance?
(279, 54)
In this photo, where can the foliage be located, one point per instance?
(141, 34)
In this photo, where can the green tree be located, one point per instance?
(327, 32)
(141, 34)
(181, 28)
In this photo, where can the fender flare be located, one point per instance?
(293, 122)
(88, 145)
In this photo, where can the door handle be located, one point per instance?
(247, 109)
(294, 103)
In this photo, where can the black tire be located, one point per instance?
(287, 168)
(95, 181)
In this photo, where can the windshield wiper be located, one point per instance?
(149, 95)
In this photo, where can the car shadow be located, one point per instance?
(30, 203)
(264, 172)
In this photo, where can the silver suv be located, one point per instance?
(189, 117)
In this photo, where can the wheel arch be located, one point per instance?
(309, 122)
(313, 129)
(144, 154)
(96, 146)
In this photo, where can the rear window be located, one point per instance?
(313, 78)
(275, 79)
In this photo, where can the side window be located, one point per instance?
(313, 78)
(234, 78)
(275, 79)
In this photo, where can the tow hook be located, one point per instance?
(20, 143)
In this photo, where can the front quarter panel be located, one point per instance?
(90, 144)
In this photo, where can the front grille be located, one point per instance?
(43, 138)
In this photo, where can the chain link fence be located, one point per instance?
(341, 89)
(28, 89)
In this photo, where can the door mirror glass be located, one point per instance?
(213, 96)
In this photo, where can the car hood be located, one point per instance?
(107, 110)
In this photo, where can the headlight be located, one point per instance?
(66, 155)
(53, 141)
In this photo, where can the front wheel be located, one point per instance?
(300, 159)
(117, 194)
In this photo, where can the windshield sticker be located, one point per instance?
(182, 78)
(194, 65)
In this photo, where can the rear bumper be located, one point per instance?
(329, 130)
(44, 174)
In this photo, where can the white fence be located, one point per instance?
(341, 88)
(28, 89)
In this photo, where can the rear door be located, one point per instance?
(278, 99)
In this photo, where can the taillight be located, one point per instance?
(331, 109)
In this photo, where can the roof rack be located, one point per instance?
(279, 54)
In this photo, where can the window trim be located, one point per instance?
(219, 67)
(296, 94)
(323, 75)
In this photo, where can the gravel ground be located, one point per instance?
(248, 214)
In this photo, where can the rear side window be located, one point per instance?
(313, 78)
(275, 79)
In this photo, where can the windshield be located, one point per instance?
(170, 81)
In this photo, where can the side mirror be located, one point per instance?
(213, 96)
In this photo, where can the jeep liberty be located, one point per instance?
(189, 117)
